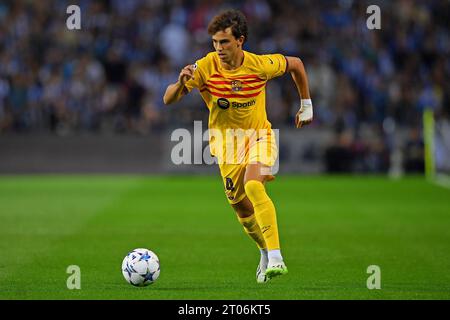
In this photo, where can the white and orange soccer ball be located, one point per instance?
(141, 267)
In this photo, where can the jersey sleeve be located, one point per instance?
(199, 71)
(273, 65)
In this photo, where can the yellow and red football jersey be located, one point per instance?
(236, 99)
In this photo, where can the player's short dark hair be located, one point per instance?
(230, 18)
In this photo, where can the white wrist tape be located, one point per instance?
(306, 102)
(307, 110)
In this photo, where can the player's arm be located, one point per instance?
(177, 90)
(297, 70)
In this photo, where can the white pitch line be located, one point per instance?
(442, 181)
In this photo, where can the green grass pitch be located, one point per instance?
(331, 230)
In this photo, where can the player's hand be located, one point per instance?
(186, 74)
(304, 116)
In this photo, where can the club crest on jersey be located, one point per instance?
(236, 85)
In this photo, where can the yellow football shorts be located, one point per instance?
(261, 148)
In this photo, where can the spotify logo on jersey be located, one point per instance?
(223, 103)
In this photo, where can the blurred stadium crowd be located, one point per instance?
(110, 76)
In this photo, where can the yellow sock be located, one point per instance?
(265, 213)
(252, 228)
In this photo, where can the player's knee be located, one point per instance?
(243, 213)
(243, 208)
(251, 186)
(255, 191)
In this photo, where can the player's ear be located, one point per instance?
(240, 41)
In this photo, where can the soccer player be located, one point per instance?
(232, 83)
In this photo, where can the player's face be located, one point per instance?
(226, 45)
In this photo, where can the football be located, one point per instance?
(140, 267)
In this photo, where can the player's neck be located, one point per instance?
(234, 63)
